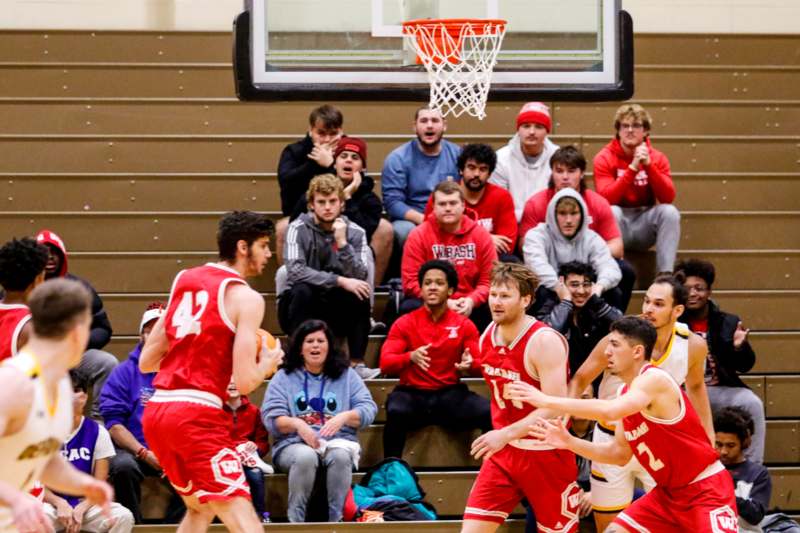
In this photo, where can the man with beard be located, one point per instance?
(492, 204)
(678, 351)
(635, 179)
(523, 165)
(413, 169)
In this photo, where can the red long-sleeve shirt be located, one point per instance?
(495, 211)
(246, 425)
(622, 186)
(470, 249)
(449, 337)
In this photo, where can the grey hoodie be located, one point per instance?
(545, 248)
(520, 178)
(311, 257)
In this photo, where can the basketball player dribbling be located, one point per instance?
(659, 427)
(36, 408)
(515, 347)
(207, 336)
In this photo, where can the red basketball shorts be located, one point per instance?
(705, 506)
(193, 444)
(545, 477)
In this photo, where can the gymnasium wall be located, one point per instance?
(650, 16)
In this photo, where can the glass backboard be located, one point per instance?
(354, 49)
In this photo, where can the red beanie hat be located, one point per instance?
(352, 144)
(535, 112)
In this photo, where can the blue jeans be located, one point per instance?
(255, 478)
(401, 230)
(301, 461)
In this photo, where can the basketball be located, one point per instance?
(272, 342)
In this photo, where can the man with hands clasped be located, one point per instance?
(429, 348)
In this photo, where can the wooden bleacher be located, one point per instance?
(130, 145)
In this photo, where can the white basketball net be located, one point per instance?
(459, 66)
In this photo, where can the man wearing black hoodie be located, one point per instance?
(96, 363)
(302, 160)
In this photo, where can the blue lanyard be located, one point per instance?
(318, 403)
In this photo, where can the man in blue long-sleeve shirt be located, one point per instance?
(412, 170)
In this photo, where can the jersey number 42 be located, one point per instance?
(186, 320)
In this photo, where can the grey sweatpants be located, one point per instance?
(300, 461)
(720, 397)
(642, 227)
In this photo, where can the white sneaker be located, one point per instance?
(366, 373)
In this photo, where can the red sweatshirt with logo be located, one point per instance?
(448, 338)
(622, 186)
(470, 249)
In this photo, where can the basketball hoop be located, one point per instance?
(459, 56)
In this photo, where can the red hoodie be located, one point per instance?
(621, 186)
(247, 425)
(470, 249)
(449, 337)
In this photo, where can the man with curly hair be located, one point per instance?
(22, 263)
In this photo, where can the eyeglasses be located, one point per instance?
(634, 126)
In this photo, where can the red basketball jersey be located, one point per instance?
(673, 451)
(200, 354)
(13, 318)
(503, 364)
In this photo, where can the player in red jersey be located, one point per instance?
(518, 347)
(207, 335)
(22, 265)
(693, 490)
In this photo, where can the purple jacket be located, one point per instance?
(125, 394)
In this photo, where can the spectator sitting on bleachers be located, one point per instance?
(451, 233)
(304, 159)
(122, 401)
(733, 427)
(523, 165)
(22, 263)
(729, 353)
(568, 166)
(635, 179)
(576, 312)
(565, 237)
(313, 408)
(362, 205)
(492, 204)
(412, 170)
(252, 440)
(326, 263)
(429, 348)
(96, 363)
(88, 449)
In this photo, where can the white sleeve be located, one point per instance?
(103, 448)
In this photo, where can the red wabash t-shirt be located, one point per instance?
(674, 451)
(200, 354)
(502, 365)
(13, 318)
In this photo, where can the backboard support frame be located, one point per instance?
(246, 52)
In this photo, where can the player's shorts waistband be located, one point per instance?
(199, 397)
(714, 468)
(530, 444)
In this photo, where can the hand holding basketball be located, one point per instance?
(269, 354)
